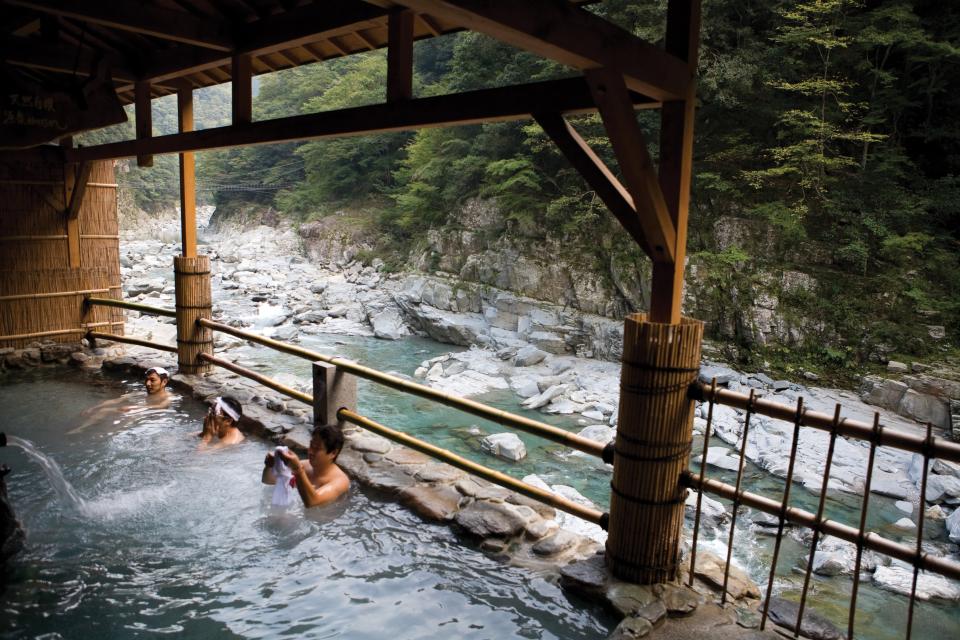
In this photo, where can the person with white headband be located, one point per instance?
(155, 382)
(221, 423)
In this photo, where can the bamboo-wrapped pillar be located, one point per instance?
(192, 279)
(653, 442)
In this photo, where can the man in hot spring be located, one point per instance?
(220, 424)
(318, 479)
(154, 383)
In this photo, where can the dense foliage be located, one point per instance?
(830, 122)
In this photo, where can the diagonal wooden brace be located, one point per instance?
(616, 109)
(595, 172)
(75, 185)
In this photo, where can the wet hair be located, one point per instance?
(330, 435)
(234, 404)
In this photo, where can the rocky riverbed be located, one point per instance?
(556, 361)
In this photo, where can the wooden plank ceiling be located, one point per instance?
(188, 43)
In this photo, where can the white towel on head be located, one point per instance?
(283, 489)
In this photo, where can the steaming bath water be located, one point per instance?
(141, 535)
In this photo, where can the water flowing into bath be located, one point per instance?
(54, 474)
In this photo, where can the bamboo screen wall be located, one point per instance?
(41, 296)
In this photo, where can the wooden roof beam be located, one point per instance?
(570, 35)
(304, 25)
(516, 102)
(153, 21)
(32, 53)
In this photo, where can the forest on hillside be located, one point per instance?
(829, 122)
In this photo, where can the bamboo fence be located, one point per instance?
(41, 296)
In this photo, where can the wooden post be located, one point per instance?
(188, 177)
(652, 448)
(144, 118)
(242, 90)
(192, 280)
(676, 159)
(333, 389)
(400, 55)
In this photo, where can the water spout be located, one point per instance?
(65, 491)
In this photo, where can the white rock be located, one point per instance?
(420, 372)
(905, 506)
(898, 578)
(598, 433)
(718, 457)
(712, 512)
(564, 519)
(543, 399)
(593, 414)
(563, 406)
(524, 386)
(435, 373)
(905, 523)
(528, 355)
(505, 445)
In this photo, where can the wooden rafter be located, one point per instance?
(570, 35)
(430, 24)
(488, 105)
(314, 51)
(304, 25)
(613, 101)
(337, 46)
(145, 19)
(365, 38)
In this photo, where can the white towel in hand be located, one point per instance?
(283, 489)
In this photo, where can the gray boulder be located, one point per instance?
(388, 324)
(784, 613)
(953, 526)
(527, 356)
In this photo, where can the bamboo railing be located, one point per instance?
(133, 306)
(97, 335)
(883, 436)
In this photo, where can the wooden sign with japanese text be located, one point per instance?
(32, 114)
